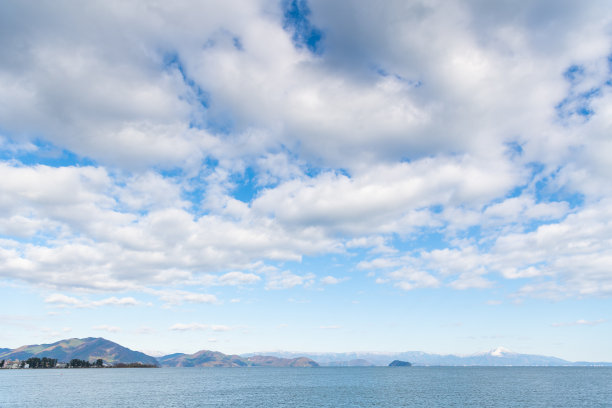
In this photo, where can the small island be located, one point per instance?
(398, 363)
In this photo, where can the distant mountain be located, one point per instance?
(337, 359)
(496, 357)
(169, 357)
(207, 358)
(90, 348)
(270, 361)
(359, 362)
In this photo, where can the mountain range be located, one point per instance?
(497, 357)
(92, 348)
(207, 358)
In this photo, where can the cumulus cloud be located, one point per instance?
(408, 279)
(387, 198)
(121, 250)
(208, 141)
(564, 258)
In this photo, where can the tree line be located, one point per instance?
(76, 363)
(46, 362)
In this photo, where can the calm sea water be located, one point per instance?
(309, 387)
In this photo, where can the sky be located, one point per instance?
(307, 175)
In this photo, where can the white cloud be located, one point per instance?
(416, 81)
(190, 326)
(378, 244)
(107, 328)
(287, 280)
(401, 127)
(146, 330)
(114, 301)
(219, 328)
(580, 322)
(408, 279)
(62, 300)
(238, 278)
(520, 208)
(385, 198)
(565, 258)
(102, 247)
(331, 280)
(574, 253)
(199, 326)
(177, 297)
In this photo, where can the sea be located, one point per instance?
(268, 387)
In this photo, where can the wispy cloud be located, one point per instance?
(145, 330)
(114, 301)
(107, 328)
(199, 326)
(331, 280)
(178, 297)
(580, 322)
(61, 300)
(287, 280)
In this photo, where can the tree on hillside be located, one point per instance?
(99, 362)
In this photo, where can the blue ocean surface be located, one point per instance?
(309, 387)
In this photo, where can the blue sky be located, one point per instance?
(308, 175)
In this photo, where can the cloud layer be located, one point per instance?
(151, 148)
